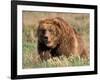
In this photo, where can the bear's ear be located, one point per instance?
(41, 21)
(60, 22)
(57, 22)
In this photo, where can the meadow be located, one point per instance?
(30, 57)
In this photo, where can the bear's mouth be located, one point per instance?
(47, 42)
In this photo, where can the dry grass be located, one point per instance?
(30, 23)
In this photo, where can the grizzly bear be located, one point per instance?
(56, 38)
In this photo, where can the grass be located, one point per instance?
(29, 43)
(31, 59)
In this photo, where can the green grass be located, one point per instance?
(31, 59)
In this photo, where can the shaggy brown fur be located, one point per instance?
(56, 37)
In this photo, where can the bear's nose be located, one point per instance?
(45, 37)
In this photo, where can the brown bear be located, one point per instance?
(56, 38)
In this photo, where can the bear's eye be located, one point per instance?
(42, 31)
(50, 30)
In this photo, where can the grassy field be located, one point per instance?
(30, 55)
